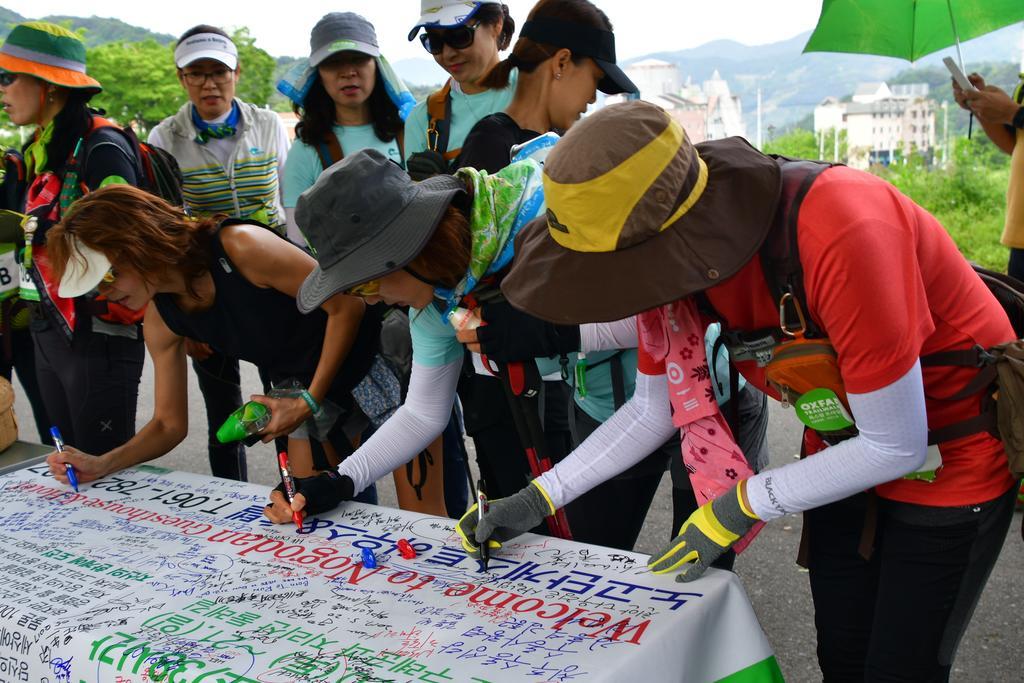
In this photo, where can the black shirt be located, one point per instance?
(264, 326)
(488, 147)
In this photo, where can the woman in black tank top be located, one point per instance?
(230, 284)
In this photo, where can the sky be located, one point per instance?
(282, 28)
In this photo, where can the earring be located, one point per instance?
(49, 98)
(558, 76)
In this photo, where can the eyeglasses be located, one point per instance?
(197, 78)
(371, 288)
(6, 78)
(458, 38)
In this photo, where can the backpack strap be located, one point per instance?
(90, 141)
(618, 382)
(329, 150)
(780, 253)
(15, 181)
(439, 111)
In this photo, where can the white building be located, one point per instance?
(880, 123)
(867, 93)
(725, 111)
(706, 112)
(829, 115)
(655, 77)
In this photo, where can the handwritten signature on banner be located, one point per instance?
(160, 576)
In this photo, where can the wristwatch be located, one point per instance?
(1018, 118)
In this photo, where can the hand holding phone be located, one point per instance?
(958, 75)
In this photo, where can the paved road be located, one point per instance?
(778, 588)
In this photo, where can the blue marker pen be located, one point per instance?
(58, 443)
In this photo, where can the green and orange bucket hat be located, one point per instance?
(49, 52)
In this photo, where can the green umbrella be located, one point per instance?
(908, 29)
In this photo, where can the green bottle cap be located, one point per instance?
(238, 425)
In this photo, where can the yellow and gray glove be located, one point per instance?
(504, 519)
(710, 531)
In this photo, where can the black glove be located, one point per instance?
(510, 335)
(323, 492)
(425, 164)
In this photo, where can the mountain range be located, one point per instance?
(98, 30)
(791, 82)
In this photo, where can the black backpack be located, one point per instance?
(156, 169)
(14, 183)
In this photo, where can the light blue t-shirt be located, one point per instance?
(466, 111)
(433, 339)
(304, 166)
(599, 403)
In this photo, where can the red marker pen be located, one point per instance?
(289, 486)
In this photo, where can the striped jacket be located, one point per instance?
(250, 186)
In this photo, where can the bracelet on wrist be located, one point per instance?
(314, 407)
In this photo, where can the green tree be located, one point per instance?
(140, 85)
(798, 144)
(257, 82)
(968, 198)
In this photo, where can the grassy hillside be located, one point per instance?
(98, 30)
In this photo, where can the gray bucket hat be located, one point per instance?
(339, 31)
(365, 218)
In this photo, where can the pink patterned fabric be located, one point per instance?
(674, 334)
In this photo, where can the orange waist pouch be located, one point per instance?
(805, 373)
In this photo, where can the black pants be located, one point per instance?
(23, 360)
(221, 386)
(1015, 268)
(90, 388)
(613, 512)
(900, 615)
(488, 421)
(499, 451)
(456, 482)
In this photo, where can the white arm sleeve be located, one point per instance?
(636, 429)
(893, 442)
(419, 421)
(620, 334)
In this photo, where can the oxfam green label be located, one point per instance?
(822, 411)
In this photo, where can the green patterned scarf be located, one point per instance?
(502, 204)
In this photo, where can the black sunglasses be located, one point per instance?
(6, 78)
(458, 38)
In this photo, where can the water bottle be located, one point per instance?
(248, 421)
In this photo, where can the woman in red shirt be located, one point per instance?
(642, 222)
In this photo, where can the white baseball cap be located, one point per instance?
(447, 13)
(84, 270)
(206, 46)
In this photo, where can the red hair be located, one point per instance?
(136, 230)
(445, 257)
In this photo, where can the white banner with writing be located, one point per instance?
(154, 575)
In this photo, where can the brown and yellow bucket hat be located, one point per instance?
(638, 217)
